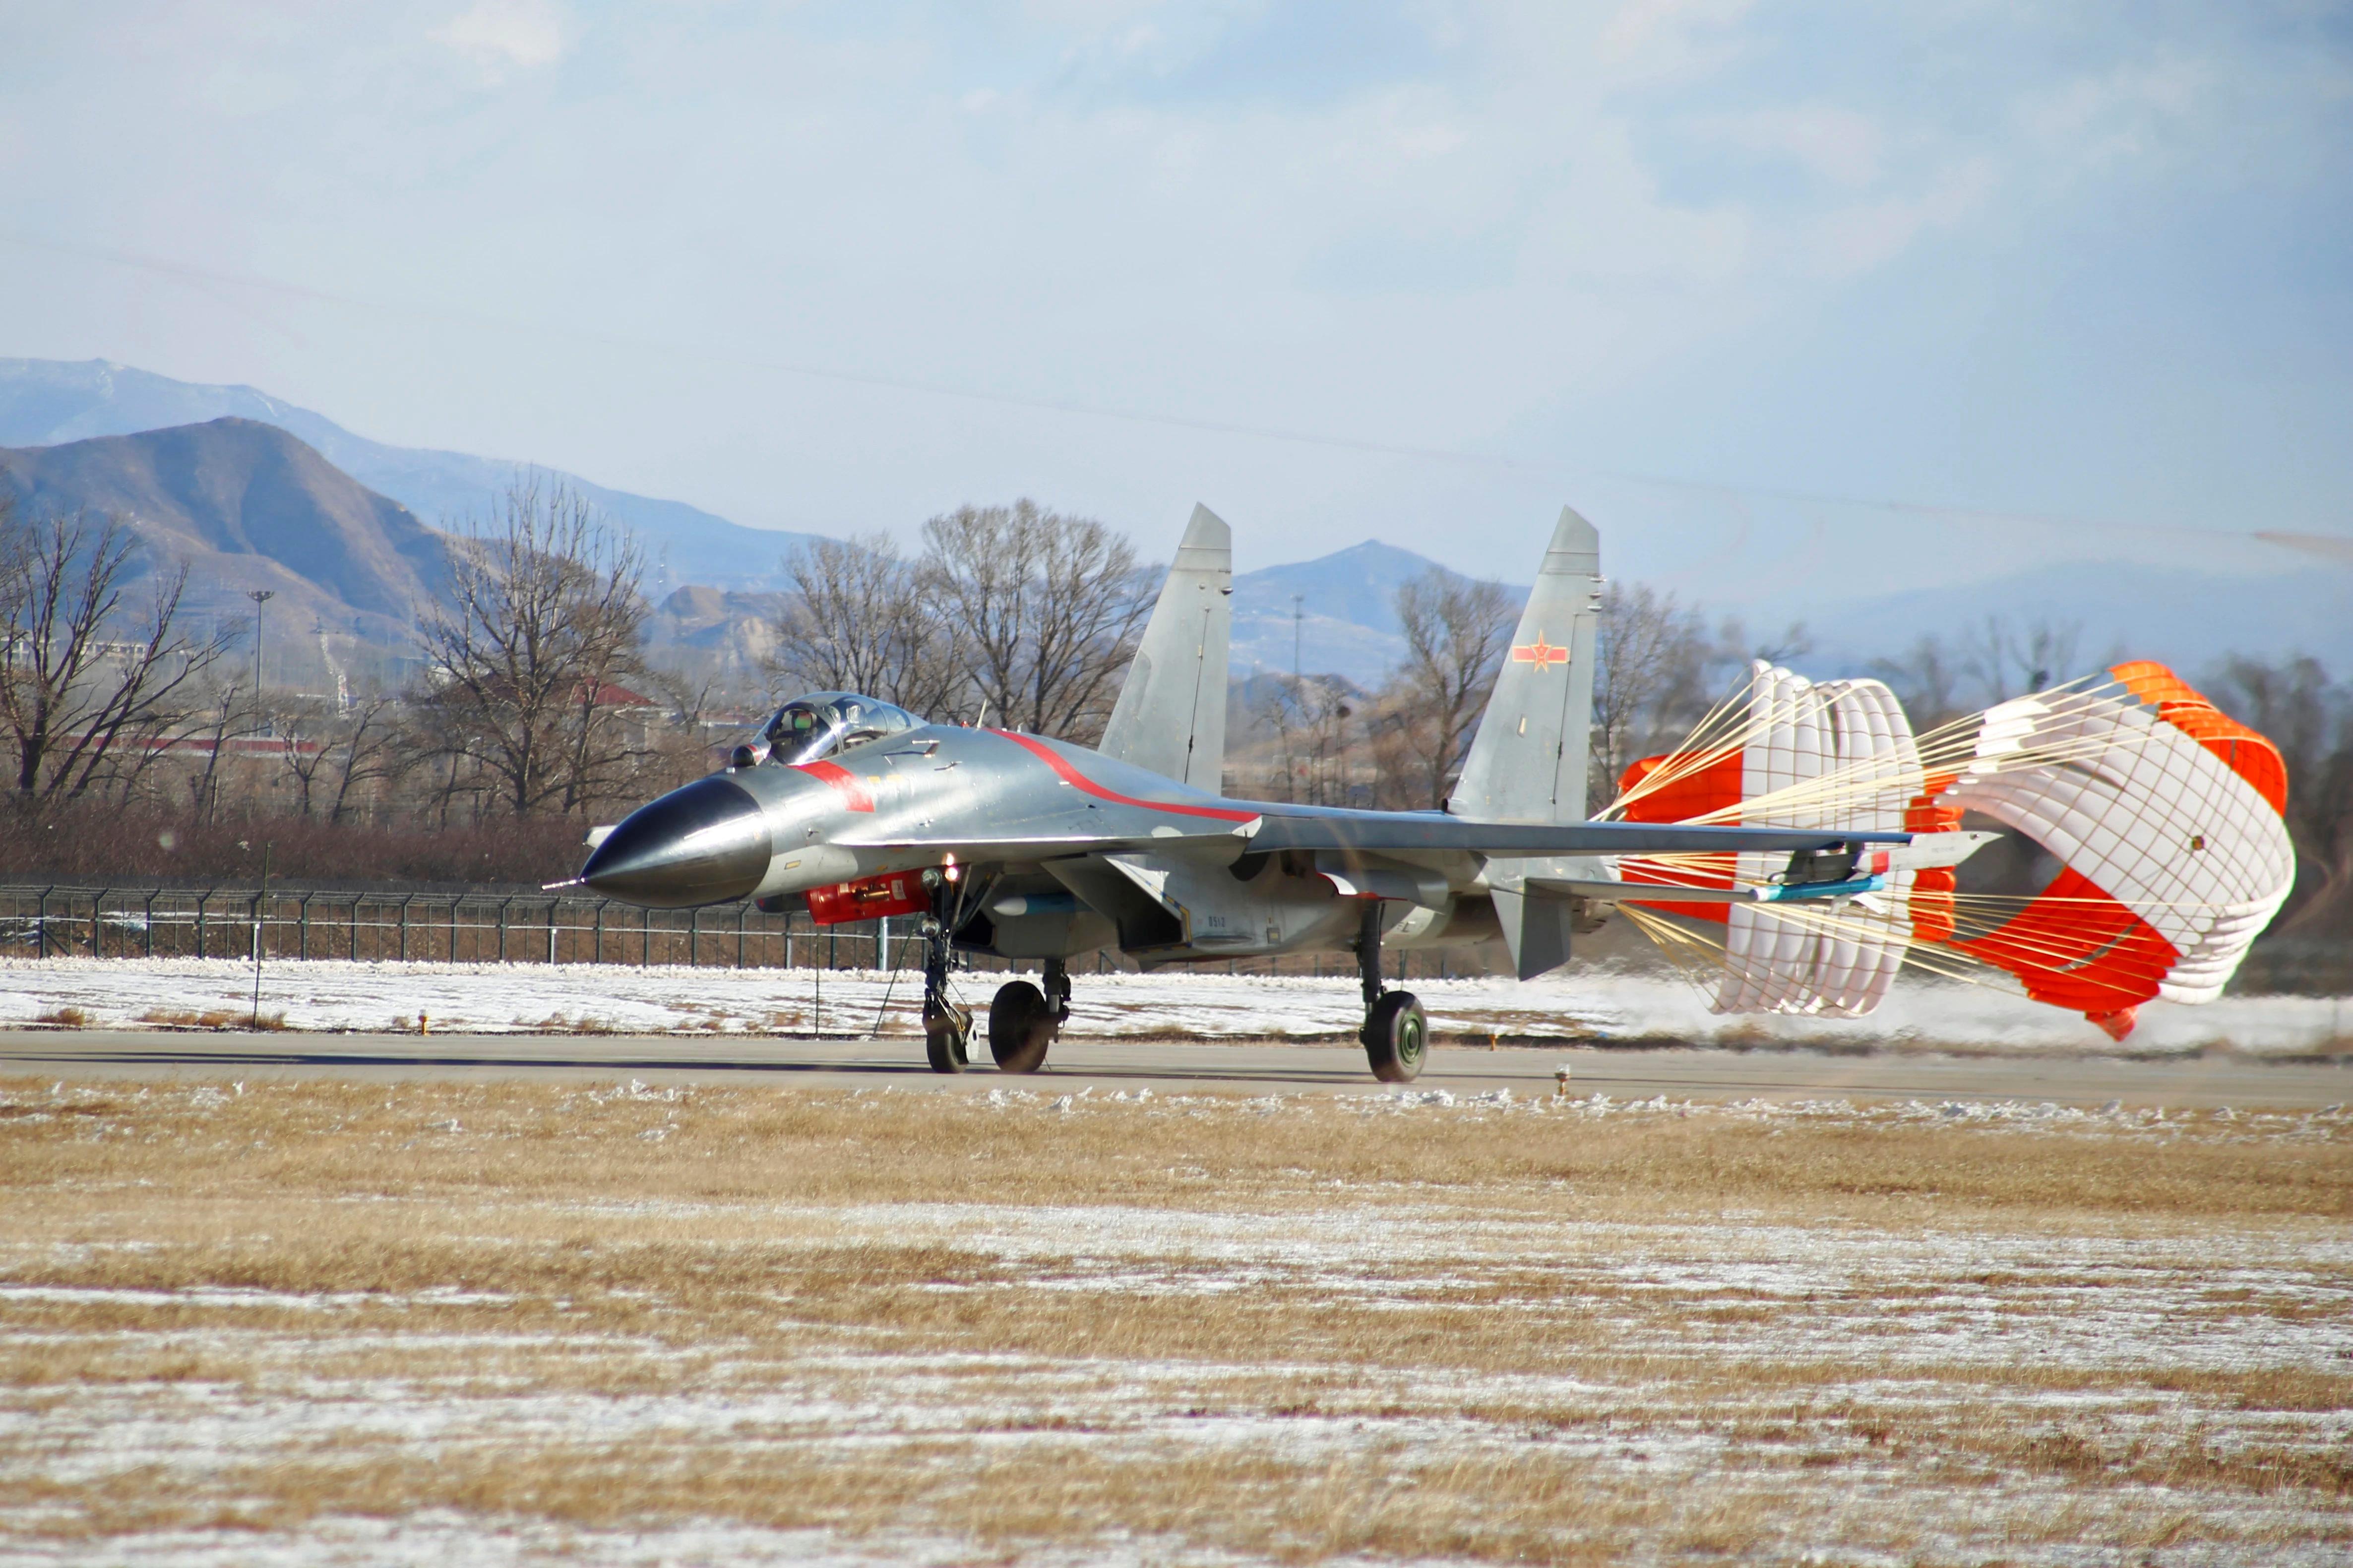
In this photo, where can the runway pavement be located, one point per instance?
(2187, 1082)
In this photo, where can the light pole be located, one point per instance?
(259, 596)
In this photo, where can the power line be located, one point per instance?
(2332, 547)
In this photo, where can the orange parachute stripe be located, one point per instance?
(1931, 901)
(1710, 787)
(2076, 947)
(2245, 753)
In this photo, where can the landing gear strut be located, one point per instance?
(947, 1027)
(1395, 1034)
(1024, 1021)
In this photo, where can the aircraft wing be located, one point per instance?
(1378, 831)
(1431, 830)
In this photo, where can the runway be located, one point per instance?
(1183, 1066)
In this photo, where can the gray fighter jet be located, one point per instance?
(1041, 851)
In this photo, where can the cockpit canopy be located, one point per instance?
(821, 723)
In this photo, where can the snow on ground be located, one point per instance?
(1605, 1005)
(2049, 1388)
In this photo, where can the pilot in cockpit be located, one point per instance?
(819, 724)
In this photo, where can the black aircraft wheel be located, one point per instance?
(946, 1028)
(1022, 1024)
(1397, 1037)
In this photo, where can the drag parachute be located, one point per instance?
(2166, 817)
(1837, 753)
(2163, 816)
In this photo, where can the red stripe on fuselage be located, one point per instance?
(1079, 781)
(855, 795)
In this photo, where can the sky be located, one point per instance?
(2064, 281)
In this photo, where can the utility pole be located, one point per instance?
(259, 596)
(260, 915)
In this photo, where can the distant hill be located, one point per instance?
(2186, 619)
(1348, 613)
(714, 634)
(250, 507)
(47, 401)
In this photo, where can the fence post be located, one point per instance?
(646, 940)
(203, 898)
(551, 903)
(453, 927)
(97, 931)
(743, 913)
(600, 932)
(41, 925)
(151, 925)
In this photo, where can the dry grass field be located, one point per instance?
(313, 1323)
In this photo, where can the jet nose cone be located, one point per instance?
(704, 844)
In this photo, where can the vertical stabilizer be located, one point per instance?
(1171, 714)
(1527, 762)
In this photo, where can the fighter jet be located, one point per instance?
(1040, 851)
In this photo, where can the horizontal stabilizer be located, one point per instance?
(1535, 929)
(1428, 830)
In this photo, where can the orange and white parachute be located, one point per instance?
(1837, 753)
(2164, 816)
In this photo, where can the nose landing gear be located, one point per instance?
(1395, 1034)
(947, 1027)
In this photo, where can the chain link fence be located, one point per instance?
(61, 922)
(374, 925)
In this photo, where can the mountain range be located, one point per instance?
(258, 494)
(250, 509)
(45, 402)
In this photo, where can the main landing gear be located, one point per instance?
(1023, 1020)
(1395, 1034)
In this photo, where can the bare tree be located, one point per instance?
(1655, 669)
(227, 711)
(2006, 660)
(524, 659)
(2293, 703)
(1456, 632)
(1926, 680)
(1319, 756)
(1047, 607)
(860, 620)
(78, 675)
(337, 753)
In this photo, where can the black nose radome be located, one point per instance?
(704, 844)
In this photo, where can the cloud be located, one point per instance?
(498, 35)
(1858, 239)
(1840, 146)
